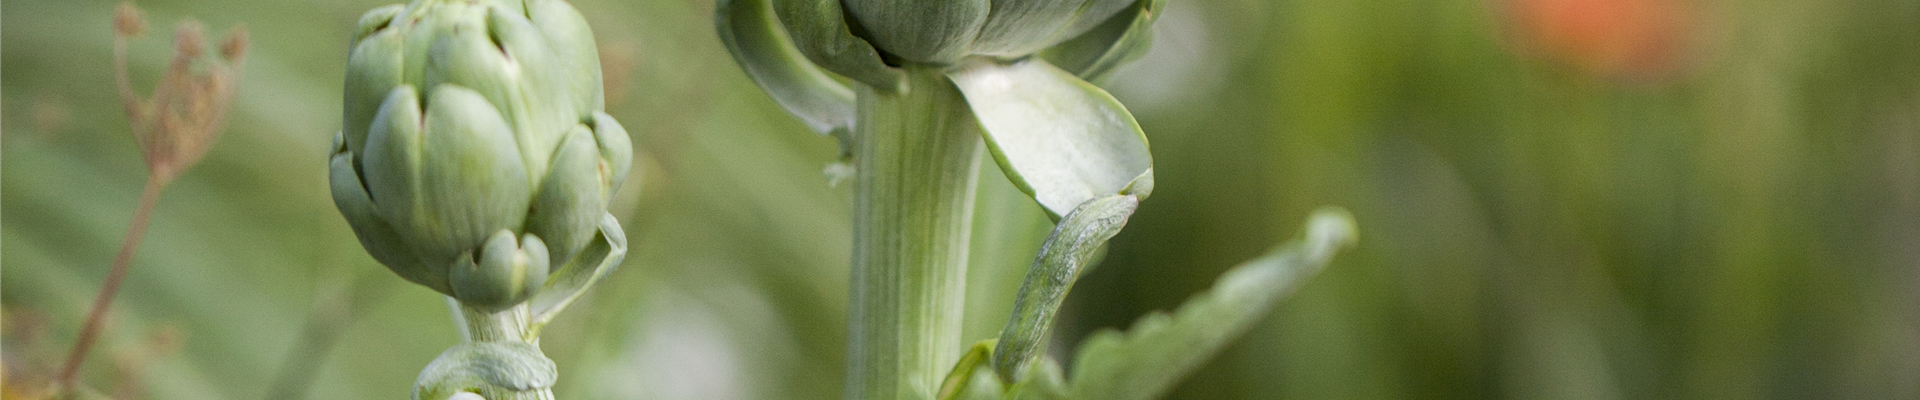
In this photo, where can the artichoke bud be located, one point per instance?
(474, 154)
(937, 31)
(504, 273)
(944, 31)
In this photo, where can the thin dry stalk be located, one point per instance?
(174, 129)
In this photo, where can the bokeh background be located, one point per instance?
(1558, 199)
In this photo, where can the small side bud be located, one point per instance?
(127, 21)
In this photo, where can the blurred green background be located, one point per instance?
(1558, 199)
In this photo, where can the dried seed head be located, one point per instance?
(189, 40)
(234, 47)
(127, 21)
(178, 123)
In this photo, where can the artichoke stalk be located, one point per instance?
(475, 159)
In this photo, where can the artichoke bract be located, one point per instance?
(943, 31)
(474, 156)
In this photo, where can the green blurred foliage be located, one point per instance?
(1738, 219)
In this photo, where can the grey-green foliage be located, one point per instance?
(1145, 361)
(474, 157)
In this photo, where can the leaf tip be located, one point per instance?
(1329, 229)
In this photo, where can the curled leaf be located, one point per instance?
(1057, 137)
(762, 48)
(495, 370)
(1072, 245)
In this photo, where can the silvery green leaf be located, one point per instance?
(1160, 349)
(1113, 42)
(1059, 138)
(819, 29)
(933, 32)
(570, 281)
(768, 55)
(495, 370)
(1072, 245)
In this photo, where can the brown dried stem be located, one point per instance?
(89, 331)
(174, 129)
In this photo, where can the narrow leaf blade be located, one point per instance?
(1160, 349)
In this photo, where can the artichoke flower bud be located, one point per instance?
(944, 31)
(474, 157)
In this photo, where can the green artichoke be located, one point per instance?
(474, 157)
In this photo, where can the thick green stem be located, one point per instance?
(508, 325)
(917, 157)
